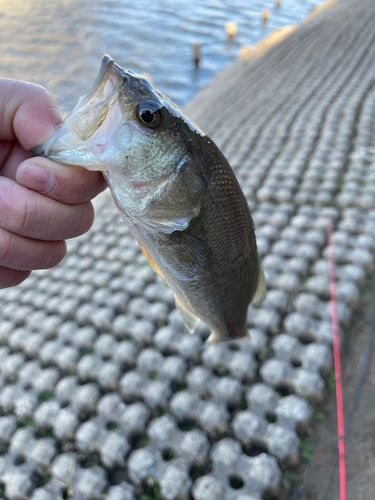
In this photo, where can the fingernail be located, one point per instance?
(35, 178)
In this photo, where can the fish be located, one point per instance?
(175, 190)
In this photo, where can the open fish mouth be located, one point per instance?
(107, 112)
(93, 123)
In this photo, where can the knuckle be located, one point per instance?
(18, 208)
(80, 220)
(25, 217)
(6, 247)
(83, 185)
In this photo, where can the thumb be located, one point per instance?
(27, 113)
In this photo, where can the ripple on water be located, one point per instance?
(59, 43)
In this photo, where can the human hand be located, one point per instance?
(41, 203)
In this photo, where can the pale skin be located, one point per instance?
(42, 203)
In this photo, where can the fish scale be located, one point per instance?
(220, 296)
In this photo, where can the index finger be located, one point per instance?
(27, 112)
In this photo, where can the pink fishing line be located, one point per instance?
(337, 363)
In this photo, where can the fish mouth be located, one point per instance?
(88, 129)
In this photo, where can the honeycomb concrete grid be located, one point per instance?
(104, 393)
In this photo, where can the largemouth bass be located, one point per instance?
(175, 190)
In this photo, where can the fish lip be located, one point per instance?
(109, 70)
(107, 63)
(106, 59)
(106, 66)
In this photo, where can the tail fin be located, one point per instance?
(215, 336)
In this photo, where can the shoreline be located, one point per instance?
(279, 34)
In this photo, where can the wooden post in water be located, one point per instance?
(231, 29)
(196, 54)
(265, 16)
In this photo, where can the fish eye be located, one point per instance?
(149, 114)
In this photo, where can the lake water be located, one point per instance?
(60, 43)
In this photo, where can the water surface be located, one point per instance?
(60, 43)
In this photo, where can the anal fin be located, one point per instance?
(188, 318)
(261, 290)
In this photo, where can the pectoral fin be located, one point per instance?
(176, 202)
(188, 318)
(261, 290)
